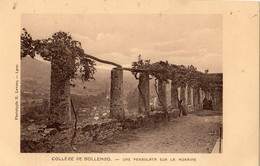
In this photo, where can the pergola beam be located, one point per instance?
(103, 61)
(119, 66)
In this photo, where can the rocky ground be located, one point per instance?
(195, 133)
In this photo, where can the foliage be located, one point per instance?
(211, 84)
(159, 70)
(165, 71)
(66, 53)
(179, 74)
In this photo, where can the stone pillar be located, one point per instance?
(186, 94)
(116, 94)
(144, 96)
(191, 96)
(155, 102)
(195, 96)
(188, 88)
(207, 94)
(198, 95)
(162, 94)
(201, 96)
(182, 94)
(213, 98)
(179, 93)
(59, 96)
(174, 95)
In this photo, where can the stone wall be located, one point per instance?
(44, 139)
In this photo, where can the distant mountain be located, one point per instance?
(35, 77)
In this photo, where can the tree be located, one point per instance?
(68, 62)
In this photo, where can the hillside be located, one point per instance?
(35, 77)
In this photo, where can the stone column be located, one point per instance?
(191, 96)
(188, 88)
(198, 95)
(186, 94)
(208, 95)
(179, 93)
(201, 96)
(195, 96)
(213, 98)
(59, 96)
(144, 94)
(174, 95)
(116, 94)
(197, 99)
(162, 94)
(183, 95)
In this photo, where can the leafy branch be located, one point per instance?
(181, 75)
(67, 55)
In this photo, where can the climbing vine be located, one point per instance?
(179, 74)
(60, 49)
(164, 71)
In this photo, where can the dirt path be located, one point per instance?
(190, 134)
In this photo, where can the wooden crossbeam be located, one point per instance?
(119, 66)
(142, 70)
(103, 61)
(126, 68)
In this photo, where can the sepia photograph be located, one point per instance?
(110, 82)
(121, 83)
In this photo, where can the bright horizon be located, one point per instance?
(181, 39)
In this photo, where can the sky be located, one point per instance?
(181, 39)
